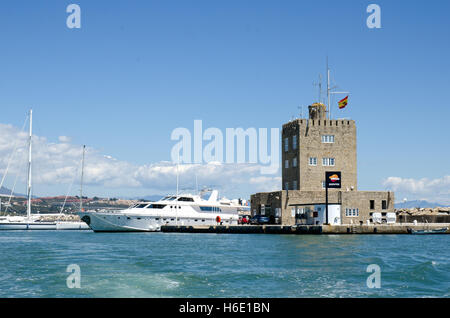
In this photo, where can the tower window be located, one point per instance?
(327, 161)
(327, 139)
(286, 164)
(351, 212)
(294, 185)
(286, 144)
(372, 204)
(286, 186)
(294, 142)
(384, 204)
(294, 162)
(312, 161)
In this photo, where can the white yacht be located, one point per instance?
(171, 210)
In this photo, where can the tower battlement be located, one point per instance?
(310, 147)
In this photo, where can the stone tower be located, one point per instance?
(315, 145)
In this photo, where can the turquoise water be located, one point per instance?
(34, 263)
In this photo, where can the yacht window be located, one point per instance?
(156, 206)
(142, 205)
(172, 219)
(185, 199)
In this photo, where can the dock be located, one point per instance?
(304, 229)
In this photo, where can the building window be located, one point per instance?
(294, 162)
(372, 204)
(312, 161)
(286, 186)
(294, 142)
(351, 212)
(286, 144)
(383, 204)
(327, 161)
(327, 139)
(294, 185)
(323, 184)
(286, 164)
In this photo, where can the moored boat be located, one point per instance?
(184, 209)
(428, 231)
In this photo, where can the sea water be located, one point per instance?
(36, 264)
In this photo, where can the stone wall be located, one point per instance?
(347, 199)
(309, 144)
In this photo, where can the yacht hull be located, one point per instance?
(9, 226)
(113, 222)
(118, 222)
(27, 226)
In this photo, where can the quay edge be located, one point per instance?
(304, 229)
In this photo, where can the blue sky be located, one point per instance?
(138, 69)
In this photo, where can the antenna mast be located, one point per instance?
(328, 90)
(319, 84)
(29, 166)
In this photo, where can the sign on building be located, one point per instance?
(333, 179)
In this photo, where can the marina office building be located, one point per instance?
(310, 147)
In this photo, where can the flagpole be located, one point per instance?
(329, 92)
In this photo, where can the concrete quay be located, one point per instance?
(304, 229)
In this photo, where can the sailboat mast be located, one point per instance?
(29, 166)
(178, 163)
(81, 181)
(176, 207)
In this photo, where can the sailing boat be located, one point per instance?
(33, 222)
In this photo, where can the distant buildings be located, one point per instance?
(311, 147)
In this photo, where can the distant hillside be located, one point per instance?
(417, 204)
(7, 191)
(153, 197)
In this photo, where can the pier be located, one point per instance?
(304, 229)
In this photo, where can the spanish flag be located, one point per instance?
(343, 102)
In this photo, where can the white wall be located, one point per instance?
(334, 214)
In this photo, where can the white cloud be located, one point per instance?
(64, 139)
(434, 190)
(57, 164)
